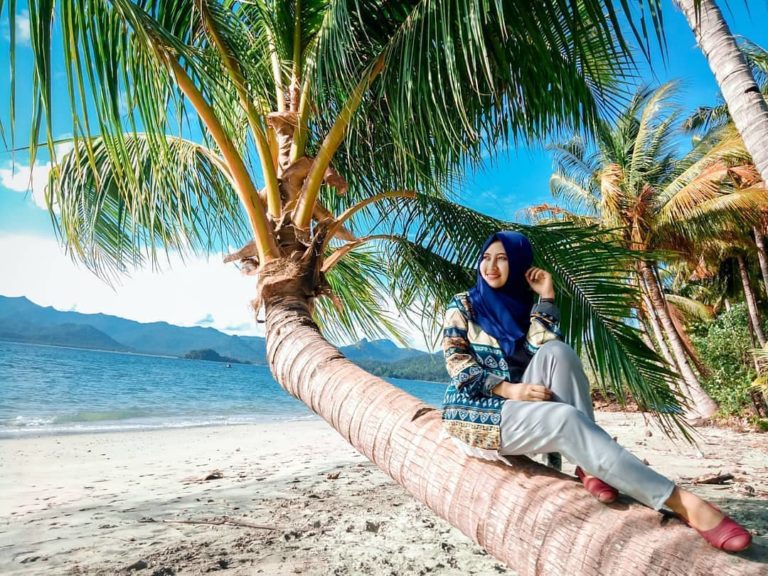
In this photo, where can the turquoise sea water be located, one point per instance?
(50, 390)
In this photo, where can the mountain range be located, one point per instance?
(21, 320)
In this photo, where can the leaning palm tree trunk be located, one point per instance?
(702, 403)
(653, 320)
(749, 296)
(746, 104)
(762, 255)
(690, 351)
(532, 518)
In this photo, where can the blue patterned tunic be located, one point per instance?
(476, 365)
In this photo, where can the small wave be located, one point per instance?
(103, 416)
(29, 421)
(93, 426)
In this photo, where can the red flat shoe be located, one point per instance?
(605, 493)
(729, 535)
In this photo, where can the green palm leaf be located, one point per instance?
(181, 201)
(590, 272)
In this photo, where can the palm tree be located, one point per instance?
(746, 104)
(634, 183)
(357, 115)
(707, 118)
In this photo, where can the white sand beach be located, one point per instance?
(281, 498)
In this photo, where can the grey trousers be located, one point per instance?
(566, 424)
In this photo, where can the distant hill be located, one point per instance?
(24, 321)
(430, 367)
(380, 351)
(211, 356)
(80, 336)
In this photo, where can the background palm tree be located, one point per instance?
(633, 182)
(746, 104)
(357, 115)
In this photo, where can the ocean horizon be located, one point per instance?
(52, 390)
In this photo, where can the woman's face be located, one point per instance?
(494, 267)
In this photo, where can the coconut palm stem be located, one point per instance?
(331, 143)
(741, 93)
(703, 404)
(762, 255)
(244, 186)
(262, 145)
(653, 320)
(749, 296)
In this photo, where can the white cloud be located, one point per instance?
(19, 177)
(194, 292)
(22, 27)
(189, 291)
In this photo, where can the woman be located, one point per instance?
(517, 389)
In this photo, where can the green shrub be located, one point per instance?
(725, 346)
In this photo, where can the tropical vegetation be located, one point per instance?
(633, 182)
(322, 136)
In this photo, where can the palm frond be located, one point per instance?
(500, 66)
(590, 272)
(181, 201)
(690, 308)
(707, 163)
(357, 305)
(596, 301)
(709, 211)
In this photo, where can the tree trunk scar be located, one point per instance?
(421, 411)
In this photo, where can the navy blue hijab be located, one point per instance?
(505, 313)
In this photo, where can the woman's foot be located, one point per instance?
(605, 493)
(715, 527)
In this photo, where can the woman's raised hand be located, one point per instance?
(523, 392)
(540, 282)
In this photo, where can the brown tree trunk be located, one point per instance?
(746, 104)
(701, 402)
(537, 521)
(653, 320)
(762, 255)
(690, 351)
(749, 296)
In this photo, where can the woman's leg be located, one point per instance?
(557, 366)
(542, 427)
(567, 426)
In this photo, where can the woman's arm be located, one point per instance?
(469, 375)
(523, 392)
(460, 361)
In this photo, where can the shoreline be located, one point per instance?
(29, 433)
(291, 498)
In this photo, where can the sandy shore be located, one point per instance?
(297, 499)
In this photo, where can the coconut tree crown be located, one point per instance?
(322, 136)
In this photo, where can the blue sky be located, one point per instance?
(205, 292)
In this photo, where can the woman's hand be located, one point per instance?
(540, 282)
(523, 392)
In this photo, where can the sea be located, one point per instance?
(50, 390)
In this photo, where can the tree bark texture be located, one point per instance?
(749, 296)
(746, 104)
(653, 320)
(762, 255)
(702, 403)
(535, 520)
(690, 351)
